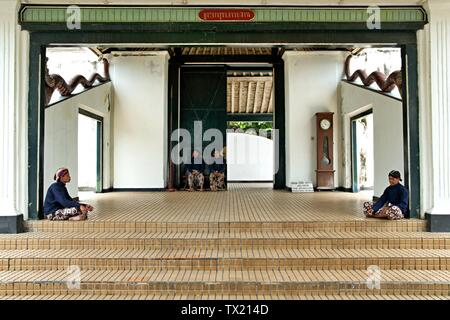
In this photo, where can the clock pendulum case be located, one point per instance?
(325, 161)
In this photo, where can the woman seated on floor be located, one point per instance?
(393, 204)
(59, 205)
(217, 172)
(194, 171)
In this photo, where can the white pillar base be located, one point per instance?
(11, 224)
(439, 217)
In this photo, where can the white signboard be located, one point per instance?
(302, 186)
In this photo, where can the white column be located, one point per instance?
(13, 77)
(434, 71)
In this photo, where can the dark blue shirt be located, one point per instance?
(196, 164)
(397, 195)
(58, 198)
(218, 165)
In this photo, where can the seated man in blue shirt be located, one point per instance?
(59, 205)
(217, 172)
(194, 171)
(393, 204)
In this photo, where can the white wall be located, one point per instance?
(249, 157)
(311, 85)
(140, 120)
(61, 135)
(388, 132)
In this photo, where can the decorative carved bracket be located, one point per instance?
(56, 82)
(386, 84)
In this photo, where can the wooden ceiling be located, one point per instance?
(250, 94)
(215, 51)
(225, 51)
(191, 51)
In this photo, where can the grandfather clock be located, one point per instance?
(325, 161)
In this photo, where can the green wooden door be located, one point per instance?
(203, 97)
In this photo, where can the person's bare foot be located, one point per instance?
(80, 217)
(370, 214)
(190, 190)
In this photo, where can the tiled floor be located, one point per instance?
(241, 203)
(250, 242)
(244, 207)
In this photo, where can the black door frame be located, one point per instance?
(353, 143)
(401, 35)
(275, 59)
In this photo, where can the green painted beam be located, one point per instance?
(196, 37)
(249, 117)
(153, 14)
(411, 127)
(185, 28)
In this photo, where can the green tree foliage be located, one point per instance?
(244, 125)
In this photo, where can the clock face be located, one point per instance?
(325, 124)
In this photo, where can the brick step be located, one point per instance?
(206, 259)
(406, 225)
(220, 296)
(272, 282)
(256, 239)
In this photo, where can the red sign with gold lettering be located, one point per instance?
(226, 14)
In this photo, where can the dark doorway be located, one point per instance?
(194, 95)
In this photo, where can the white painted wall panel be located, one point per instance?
(140, 121)
(311, 85)
(249, 157)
